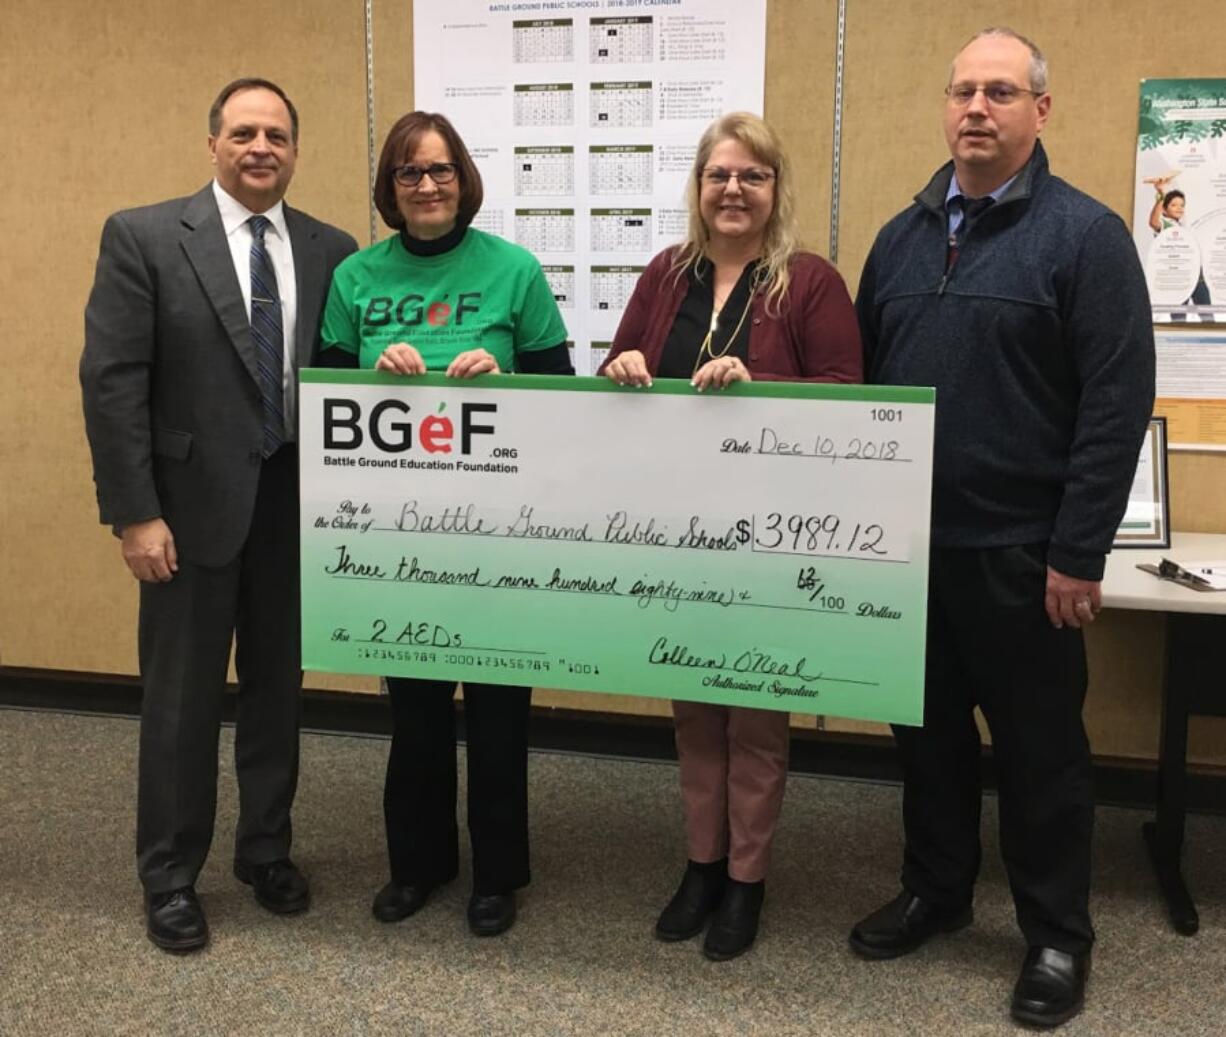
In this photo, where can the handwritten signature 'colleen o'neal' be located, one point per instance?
(750, 661)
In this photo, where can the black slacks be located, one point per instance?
(990, 644)
(419, 796)
(186, 627)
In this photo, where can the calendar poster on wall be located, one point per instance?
(583, 118)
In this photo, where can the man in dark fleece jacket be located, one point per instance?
(1022, 300)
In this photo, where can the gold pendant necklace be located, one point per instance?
(705, 348)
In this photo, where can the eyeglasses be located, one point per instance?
(410, 176)
(749, 179)
(999, 94)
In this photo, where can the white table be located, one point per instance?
(1195, 657)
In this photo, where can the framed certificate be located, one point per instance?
(1147, 520)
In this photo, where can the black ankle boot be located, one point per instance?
(701, 889)
(735, 923)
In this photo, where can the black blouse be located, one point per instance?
(680, 357)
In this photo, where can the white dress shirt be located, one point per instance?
(234, 217)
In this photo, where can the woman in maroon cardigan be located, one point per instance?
(737, 300)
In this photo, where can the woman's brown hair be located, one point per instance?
(402, 141)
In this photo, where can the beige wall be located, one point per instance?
(104, 107)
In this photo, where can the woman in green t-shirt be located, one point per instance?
(440, 295)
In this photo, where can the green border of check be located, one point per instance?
(665, 386)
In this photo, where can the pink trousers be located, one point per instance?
(734, 764)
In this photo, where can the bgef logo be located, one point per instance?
(388, 430)
(412, 309)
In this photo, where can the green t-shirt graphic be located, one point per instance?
(485, 293)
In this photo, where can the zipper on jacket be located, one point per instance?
(951, 257)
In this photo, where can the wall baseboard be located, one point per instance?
(1118, 782)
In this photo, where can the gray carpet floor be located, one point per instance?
(607, 851)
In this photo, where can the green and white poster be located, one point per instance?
(1179, 212)
(765, 546)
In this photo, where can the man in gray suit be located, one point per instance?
(203, 309)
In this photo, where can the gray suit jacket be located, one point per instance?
(168, 375)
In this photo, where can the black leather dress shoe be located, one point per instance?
(1052, 986)
(175, 920)
(903, 925)
(491, 915)
(279, 886)
(701, 890)
(735, 923)
(395, 902)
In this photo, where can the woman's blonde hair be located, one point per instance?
(780, 240)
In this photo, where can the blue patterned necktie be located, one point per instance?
(269, 336)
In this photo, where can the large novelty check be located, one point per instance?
(764, 546)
